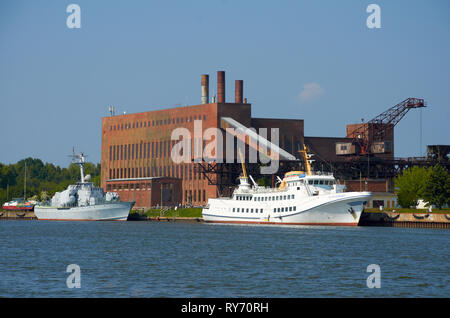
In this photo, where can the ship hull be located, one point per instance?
(117, 211)
(343, 209)
(17, 208)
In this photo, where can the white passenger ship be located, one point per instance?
(301, 199)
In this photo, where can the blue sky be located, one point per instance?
(311, 60)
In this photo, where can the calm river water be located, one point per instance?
(167, 259)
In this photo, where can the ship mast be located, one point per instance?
(80, 161)
(243, 165)
(305, 158)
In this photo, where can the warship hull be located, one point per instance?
(116, 211)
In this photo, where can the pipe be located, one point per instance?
(238, 91)
(221, 86)
(205, 89)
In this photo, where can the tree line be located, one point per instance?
(42, 179)
(430, 184)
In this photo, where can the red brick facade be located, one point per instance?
(136, 146)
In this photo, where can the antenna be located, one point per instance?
(112, 110)
(80, 160)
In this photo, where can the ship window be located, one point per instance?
(316, 181)
(292, 196)
(310, 181)
(251, 210)
(294, 208)
(246, 211)
(261, 210)
(321, 182)
(274, 210)
(233, 209)
(290, 208)
(298, 188)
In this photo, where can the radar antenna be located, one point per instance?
(79, 159)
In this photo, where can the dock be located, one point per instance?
(405, 219)
(17, 215)
(382, 218)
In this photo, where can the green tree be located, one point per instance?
(40, 177)
(436, 188)
(409, 186)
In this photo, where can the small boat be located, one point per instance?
(302, 198)
(18, 204)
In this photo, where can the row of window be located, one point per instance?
(128, 186)
(267, 198)
(322, 182)
(156, 123)
(250, 210)
(286, 209)
(154, 149)
(182, 171)
(191, 196)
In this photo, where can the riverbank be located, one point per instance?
(17, 215)
(409, 219)
(371, 217)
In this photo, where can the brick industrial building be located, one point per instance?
(136, 148)
(136, 151)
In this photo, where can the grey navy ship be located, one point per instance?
(84, 202)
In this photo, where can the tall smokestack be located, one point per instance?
(205, 89)
(238, 91)
(221, 87)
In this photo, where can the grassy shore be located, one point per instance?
(180, 212)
